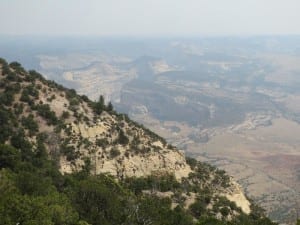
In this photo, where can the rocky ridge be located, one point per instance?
(79, 134)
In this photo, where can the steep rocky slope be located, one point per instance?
(40, 117)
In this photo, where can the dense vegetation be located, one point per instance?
(34, 192)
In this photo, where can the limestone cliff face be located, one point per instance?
(138, 166)
(139, 159)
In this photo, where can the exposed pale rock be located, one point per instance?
(236, 195)
(89, 131)
(169, 162)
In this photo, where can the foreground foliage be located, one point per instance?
(32, 191)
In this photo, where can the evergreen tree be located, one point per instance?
(110, 107)
(100, 105)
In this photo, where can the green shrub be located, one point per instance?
(17, 67)
(74, 101)
(25, 96)
(103, 142)
(69, 152)
(19, 141)
(122, 139)
(18, 108)
(9, 156)
(65, 115)
(192, 162)
(85, 98)
(7, 98)
(30, 124)
(154, 182)
(33, 75)
(114, 152)
(224, 211)
(6, 127)
(198, 208)
(3, 61)
(45, 111)
(32, 90)
(71, 93)
(5, 69)
(12, 76)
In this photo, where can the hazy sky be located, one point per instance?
(149, 17)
